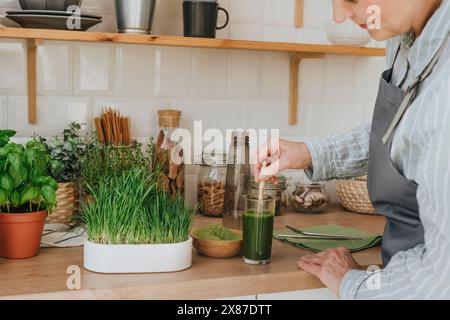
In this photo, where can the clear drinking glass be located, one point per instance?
(258, 219)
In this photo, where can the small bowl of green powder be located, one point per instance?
(217, 241)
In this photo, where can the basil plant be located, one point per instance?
(25, 186)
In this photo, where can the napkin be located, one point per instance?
(316, 245)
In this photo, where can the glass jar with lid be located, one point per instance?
(169, 153)
(276, 191)
(309, 198)
(211, 184)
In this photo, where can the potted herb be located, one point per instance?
(27, 194)
(134, 227)
(66, 151)
(114, 160)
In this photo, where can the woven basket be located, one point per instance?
(66, 197)
(354, 196)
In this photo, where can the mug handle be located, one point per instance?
(228, 18)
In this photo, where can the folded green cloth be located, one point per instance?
(369, 240)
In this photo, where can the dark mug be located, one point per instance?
(200, 19)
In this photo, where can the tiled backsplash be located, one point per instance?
(223, 88)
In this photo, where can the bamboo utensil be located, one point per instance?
(113, 128)
(261, 191)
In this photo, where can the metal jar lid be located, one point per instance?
(214, 159)
(270, 186)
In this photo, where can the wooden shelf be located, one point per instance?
(299, 51)
(19, 33)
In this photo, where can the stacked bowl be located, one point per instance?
(53, 14)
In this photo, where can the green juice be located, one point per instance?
(258, 230)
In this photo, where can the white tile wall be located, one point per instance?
(12, 67)
(312, 79)
(94, 69)
(330, 117)
(225, 89)
(247, 11)
(55, 68)
(219, 114)
(3, 114)
(244, 74)
(272, 115)
(173, 68)
(54, 114)
(209, 73)
(340, 77)
(134, 70)
(275, 76)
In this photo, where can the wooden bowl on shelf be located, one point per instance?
(218, 248)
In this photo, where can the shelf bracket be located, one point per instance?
(299, 9)
(32, 45)
(293, 90)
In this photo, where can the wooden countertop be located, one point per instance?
(44, 276)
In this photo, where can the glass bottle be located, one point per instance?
(211, 184)
(169, 154)
(238, 180)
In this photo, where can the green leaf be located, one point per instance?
(23, 171)
(6, 182)
(29, 194)
(16, 176)
(57, 167)
(15, 160)
(3, 151)
(15, 199)
(35, 174)
(7, 133)
(49, 195)
(3, 197)
(30, 155)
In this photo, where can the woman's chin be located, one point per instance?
(380, 34)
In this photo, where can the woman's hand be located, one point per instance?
(278, 156)
(329, 266)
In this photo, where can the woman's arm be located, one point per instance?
(340, 156)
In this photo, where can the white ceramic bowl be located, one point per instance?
(346, 33)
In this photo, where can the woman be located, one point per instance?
(406, 152)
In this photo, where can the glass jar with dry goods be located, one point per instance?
(309, 198)
(211, 185)
(169, 153)
(276, 191)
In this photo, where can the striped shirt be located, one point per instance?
(421, 152)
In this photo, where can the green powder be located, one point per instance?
(216, 232)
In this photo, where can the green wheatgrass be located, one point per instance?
(216, 232)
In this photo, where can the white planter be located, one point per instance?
(151, 258)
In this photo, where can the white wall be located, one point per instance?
(224, 88)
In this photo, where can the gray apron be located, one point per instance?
(390, 192)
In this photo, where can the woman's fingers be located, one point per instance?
(268, 153)
(309, 267)
(312, 258)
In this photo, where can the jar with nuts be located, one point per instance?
(211, 185)
(309, 198)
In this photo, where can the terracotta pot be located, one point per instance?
(20, 234)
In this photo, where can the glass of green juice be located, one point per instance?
(258, 218)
